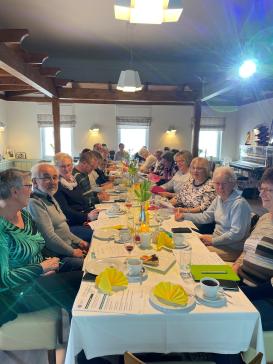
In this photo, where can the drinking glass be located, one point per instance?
(129, 245)
(185, 261)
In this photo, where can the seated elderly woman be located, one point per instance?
(150, 160)
(25, 281)
(183, 160)
(77, 209)
(255, 265)
(51, 221)
(197, 193)
(231, 213)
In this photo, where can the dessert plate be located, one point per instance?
(218, 301)
(97, 266)
(165, 307)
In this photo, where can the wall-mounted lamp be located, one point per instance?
(2, 126)
(94, 129)
(171, 130)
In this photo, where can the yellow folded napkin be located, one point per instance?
(164, 240)
(171, 293)
(111, 279)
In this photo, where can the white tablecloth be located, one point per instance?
(228, 330)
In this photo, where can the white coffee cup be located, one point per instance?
(115, 208)
(179, 239)
(145, 240)
(210, 287)
(134, 266)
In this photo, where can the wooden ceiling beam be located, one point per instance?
(11, 81)
(13, 64)
(13, 35)
(79, 101)
(114, 95)
(4, 73)
(20, 93)
(15, 87)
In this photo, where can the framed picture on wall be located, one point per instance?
(20, 155)
(10, 153)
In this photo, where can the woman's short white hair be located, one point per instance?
(227, 172)
(59, 157)
(143, 152)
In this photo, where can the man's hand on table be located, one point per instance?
(93, 215)
(78, 253)
(206, 239)
(84, 245)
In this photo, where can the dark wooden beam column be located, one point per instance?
(56, 124)
(196, 127)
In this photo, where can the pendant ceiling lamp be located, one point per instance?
(129, 81)
(148, 11)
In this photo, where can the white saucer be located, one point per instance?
(218, 301)
(136, 279)
(164, 307)
(115, 213)
(105, 234)
(181, 246)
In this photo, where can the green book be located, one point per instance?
(215, 271)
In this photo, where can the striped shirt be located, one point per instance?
(257, 265)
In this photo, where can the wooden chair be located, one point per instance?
(33, 331)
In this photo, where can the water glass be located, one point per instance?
(185, 261)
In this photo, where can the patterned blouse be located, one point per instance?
(191, 195)
(20, 252)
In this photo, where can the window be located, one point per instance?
(210, 142)
(133, 132)
(47, 141)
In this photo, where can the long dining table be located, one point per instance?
(141, 327)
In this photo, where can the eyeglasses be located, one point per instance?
(48, 178)
(29, 185)
(265, 190)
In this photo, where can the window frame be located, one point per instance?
(133, 126)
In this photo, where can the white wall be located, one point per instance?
(253, 114)
(23, 133)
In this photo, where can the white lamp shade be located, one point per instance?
(129, 81)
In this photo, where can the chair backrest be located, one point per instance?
(257, 360)
(129, 358)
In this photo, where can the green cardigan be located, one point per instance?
(20, 252)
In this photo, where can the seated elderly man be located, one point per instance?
(51, 221)
(231, 213)
(88, 162)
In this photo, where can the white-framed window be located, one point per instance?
(210, 137)
(134, 133)
(47, 141)
(210, 143)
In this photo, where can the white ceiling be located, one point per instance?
(88, 44)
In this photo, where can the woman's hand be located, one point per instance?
(166, 194)
(206, 239)
(173, 201)
(50, 264)
(236, 266)
(178, 214)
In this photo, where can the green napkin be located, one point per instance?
(215, 271)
